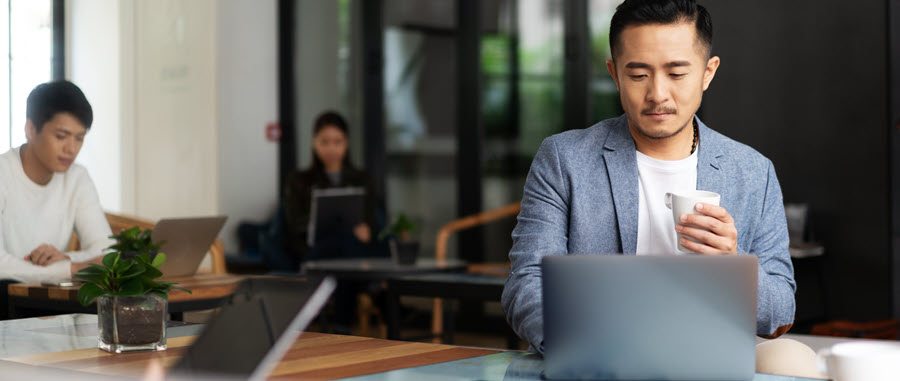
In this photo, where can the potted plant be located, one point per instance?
(404, 247)
(131, 305)
(134, 241)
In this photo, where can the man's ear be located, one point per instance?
(31, 132)
(711, 66)
(611, 67)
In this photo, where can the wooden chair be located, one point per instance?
(117, 223)
(365, 310)
(440, 254)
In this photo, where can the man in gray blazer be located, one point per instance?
(600, 190)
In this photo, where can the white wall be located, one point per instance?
(97, 69)
(176, 135)
(148, 69)
(248, 98)
(182, 91)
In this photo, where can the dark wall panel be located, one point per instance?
(804, 82)
(894, 96)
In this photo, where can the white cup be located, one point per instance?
(684, 203)
(861, 361)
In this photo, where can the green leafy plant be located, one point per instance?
(402, 228)
(135, 241)
(124, 276)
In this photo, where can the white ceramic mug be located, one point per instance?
(684, 203)
(861, 361)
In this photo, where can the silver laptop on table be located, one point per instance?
(625, 317)
(187, 240)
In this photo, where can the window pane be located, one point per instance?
(327, 69)
(604, 96)
(541, 82)
(4, 78)
(420, 111)
(522, 101)
(31, 28)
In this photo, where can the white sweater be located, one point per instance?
(32, 215)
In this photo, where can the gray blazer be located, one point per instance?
(581, 197)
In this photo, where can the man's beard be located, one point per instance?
(661, 134)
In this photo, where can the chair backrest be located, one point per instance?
(467, 222)
(118, 222)
(440, 253)
(798, 221)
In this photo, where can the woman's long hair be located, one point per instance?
(326, 119)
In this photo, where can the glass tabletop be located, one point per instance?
(22, 337)
(505, 366)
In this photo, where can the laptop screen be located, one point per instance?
(249, 335)
(670, 317)
(185, 242)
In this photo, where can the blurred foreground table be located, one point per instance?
(69, 342)
(65, 347)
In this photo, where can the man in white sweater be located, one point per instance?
(44, 196)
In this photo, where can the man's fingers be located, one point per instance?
(37, 257)
(714, 211)
(45, 255)
(36, 254)
(704, 236)
(720, 244)
(44, 258)
(33, 257)
(714, 228)
(699, 247)
(702, 221)
(727, 230)
(56, 257)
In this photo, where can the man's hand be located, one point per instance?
(721, 237)
(45, 255)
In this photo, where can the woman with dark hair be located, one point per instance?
(331, 168)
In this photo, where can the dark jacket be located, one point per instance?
(298, 196)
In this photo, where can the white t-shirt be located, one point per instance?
(32, 215)
(656, 229)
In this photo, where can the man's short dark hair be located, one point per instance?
(51, 98)
(644, 12)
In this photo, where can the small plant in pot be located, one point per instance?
(132, 305)
(404, 247)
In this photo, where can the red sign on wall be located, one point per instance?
(273, 131)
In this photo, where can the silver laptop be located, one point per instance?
(187, 240)
(625, 317)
